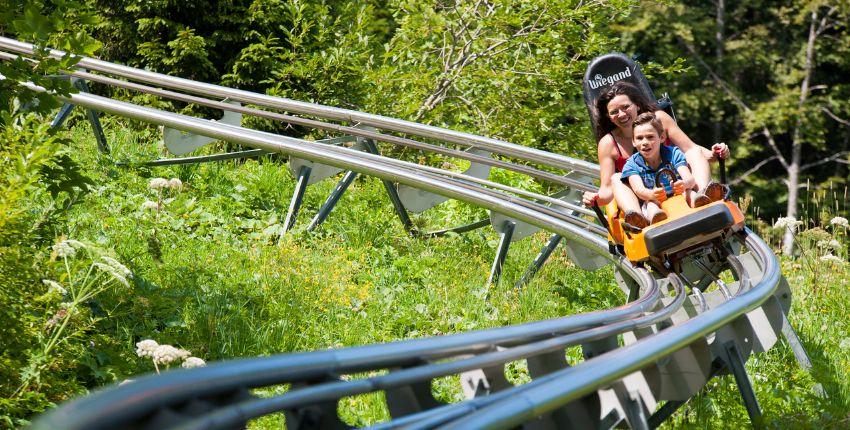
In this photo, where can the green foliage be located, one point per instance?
(39, 182)
(29, 213)
(212, 272)
(55, 24)
(747, 67)
(507, 69)
(511, 70)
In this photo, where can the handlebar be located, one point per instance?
(722, 162)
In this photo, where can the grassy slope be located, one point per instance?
(221, 284)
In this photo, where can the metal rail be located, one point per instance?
(416, 360)
(572, 383)
(321, 111)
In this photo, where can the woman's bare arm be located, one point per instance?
(606, 170)
(687, 178)
(684, 143)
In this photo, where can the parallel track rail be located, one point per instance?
(316, 375)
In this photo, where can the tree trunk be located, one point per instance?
(793, 193)
(719, 50)
(796, 143)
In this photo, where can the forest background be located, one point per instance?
(770, 78)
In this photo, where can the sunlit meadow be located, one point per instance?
(208, 271)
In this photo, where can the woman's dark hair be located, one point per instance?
(602, 121)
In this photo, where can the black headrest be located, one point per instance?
(606, 69)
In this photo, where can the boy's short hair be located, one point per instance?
(651, 119)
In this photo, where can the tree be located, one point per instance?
(38, 181)
(510, 70)
(768, 75)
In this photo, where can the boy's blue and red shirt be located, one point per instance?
(671, 158)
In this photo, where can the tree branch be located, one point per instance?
(833, 157)
(723, 85)
(752, 170)
(834, 116)
(459, 54)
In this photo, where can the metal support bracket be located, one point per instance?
(204, 158)
(501, 252)
(91, 115)
(297, 197)
(332, 200)
(735, 363)
(538, 262)
(459, 229)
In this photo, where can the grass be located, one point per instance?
(212, 275)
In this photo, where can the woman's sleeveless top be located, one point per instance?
(621, 160)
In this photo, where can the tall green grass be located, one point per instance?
(219, 280)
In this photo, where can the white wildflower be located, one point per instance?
(832, 259)
(68, 247)
(165, 354)
(239, 188)
(53, 286)
(118, 276)
(75, 243)
(787, 222)
(193, 362)
(62, 249)
(158, 183)
(839, 222)
(150, 205)
(834, 244)
(117, 266)
(175, 184)
(146, 348)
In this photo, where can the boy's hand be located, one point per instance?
(679, 187)
(659, 195)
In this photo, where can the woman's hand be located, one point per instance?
(720, 151)
(589, 198)
(679, 187)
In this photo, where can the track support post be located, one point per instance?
(315, 417)
(635, 410)
(538, 262)
(666, 411)
(799, 351)
(297, 198)
(332, 200)
(736, 365)
(91, 115)
(501, 252)
(392, 193)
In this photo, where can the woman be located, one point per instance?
(616, 111)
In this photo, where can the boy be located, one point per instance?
(642, 167)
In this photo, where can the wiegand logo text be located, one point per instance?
(599, 80)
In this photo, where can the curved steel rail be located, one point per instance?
(328, 112)
(298, 367)
(503, 409)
